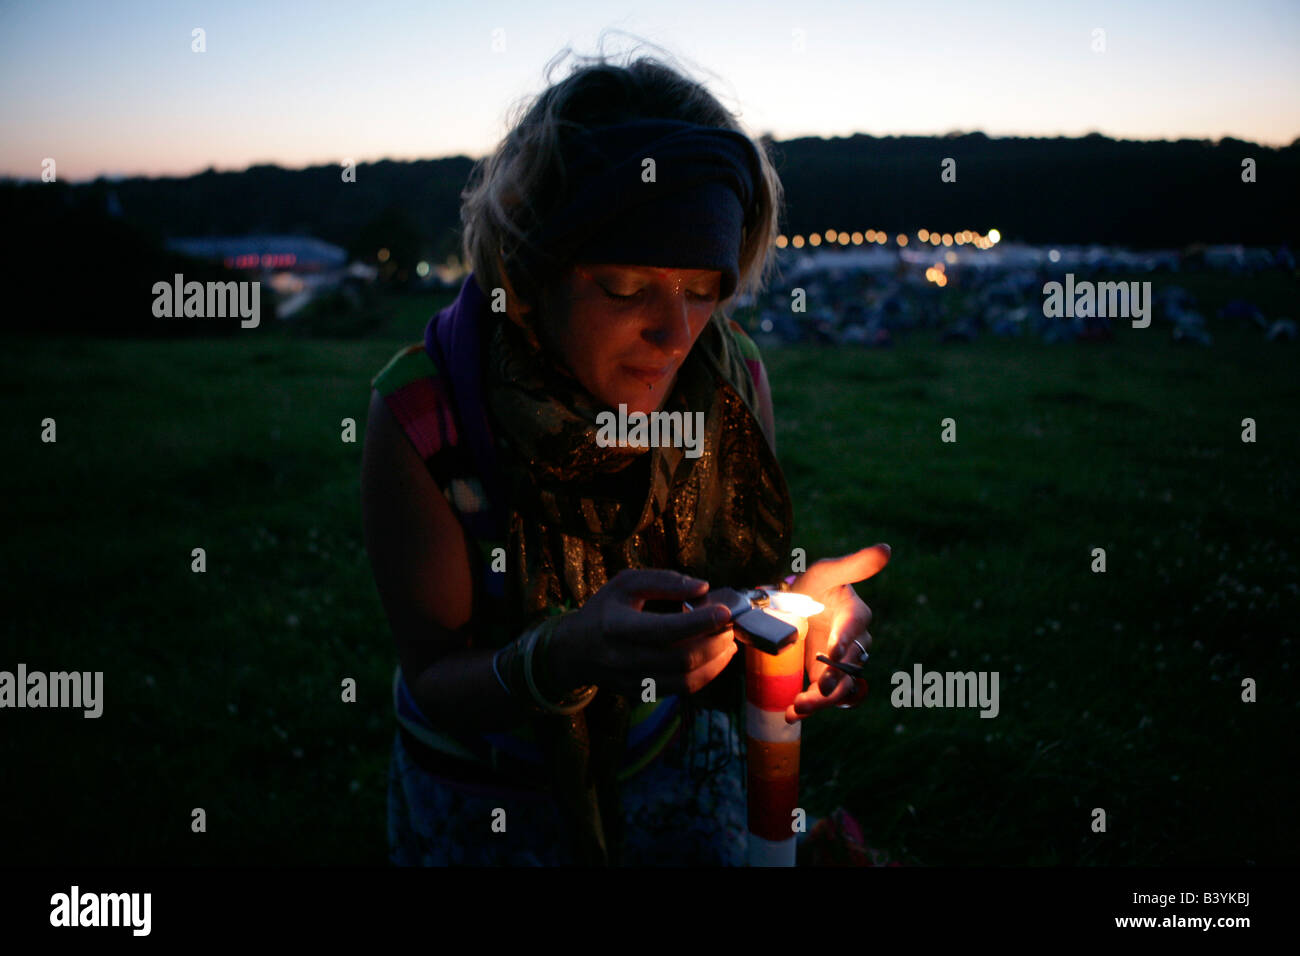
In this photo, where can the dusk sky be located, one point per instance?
(113, 88)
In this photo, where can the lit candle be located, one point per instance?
(772, 682)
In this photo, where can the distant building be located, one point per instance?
(268, 253)
(299, 268)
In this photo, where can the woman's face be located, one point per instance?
(624, 331)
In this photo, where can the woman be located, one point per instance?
(547, 714)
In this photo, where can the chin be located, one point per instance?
(637, 398)
(640, 403)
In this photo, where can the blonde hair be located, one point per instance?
(511, 191)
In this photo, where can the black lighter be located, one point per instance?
(753, 625)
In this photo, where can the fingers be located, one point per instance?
(851, 619)
(696, 679)
(813, 700)
(830, 677)
(681, 669)
(637, 627)
(636, 662)
(860, 690)
(848, 624)
(849, 569)
(861, 564)
(831, 687)
(847, 648)
(653, 584)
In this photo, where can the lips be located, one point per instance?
(647, 376)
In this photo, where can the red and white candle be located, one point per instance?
(772, 682)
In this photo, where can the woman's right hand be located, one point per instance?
(611, 642)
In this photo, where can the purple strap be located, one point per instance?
(453, 340)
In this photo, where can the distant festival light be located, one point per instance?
(814, 240)
(797, 242)
(782, 242)
(994, 236)
(902, 240)
(923, 235)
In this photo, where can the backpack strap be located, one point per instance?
(417, 396)
(416, 392)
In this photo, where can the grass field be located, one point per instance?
(1119, 690)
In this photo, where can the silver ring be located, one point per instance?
(865, 655)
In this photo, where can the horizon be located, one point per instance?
(114, 177)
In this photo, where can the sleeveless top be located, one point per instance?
(416, 391)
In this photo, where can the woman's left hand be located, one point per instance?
(833, 631)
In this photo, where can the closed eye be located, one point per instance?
(638, 294)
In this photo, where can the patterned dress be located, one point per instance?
(676, 812)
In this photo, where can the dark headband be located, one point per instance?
(690, 217)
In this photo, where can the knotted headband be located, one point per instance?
(692, 215)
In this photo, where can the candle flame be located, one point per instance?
(792, 603)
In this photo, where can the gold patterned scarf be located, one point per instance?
(579, 513)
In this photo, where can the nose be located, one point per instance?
(669, 328)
